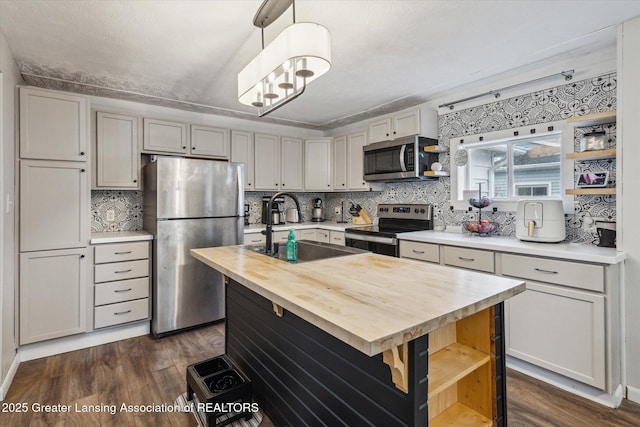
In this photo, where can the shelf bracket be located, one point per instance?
(397, 358)
(277, 309)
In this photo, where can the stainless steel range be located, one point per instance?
(392, 219)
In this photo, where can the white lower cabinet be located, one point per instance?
(420, 251)
(309, 234)
(560, 329)
(53, 287)
(336, 237)
(121, 277)
(323, 236)
(254, 238)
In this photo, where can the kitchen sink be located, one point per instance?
(309, 250)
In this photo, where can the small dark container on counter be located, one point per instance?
(218, 381)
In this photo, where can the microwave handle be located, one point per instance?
(402, 164)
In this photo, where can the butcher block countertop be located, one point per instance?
(371, 302)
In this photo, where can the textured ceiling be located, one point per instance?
(386, 55)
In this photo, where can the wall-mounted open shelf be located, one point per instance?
(590, 191)
(593, 119)
(435, 174)
(434, 149)
(592, 155)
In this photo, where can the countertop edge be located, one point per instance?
(99, 238)
(518, 247)
(325, 225)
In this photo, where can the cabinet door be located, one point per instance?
(209, 142)
(355, 158)
(560, 329)
(339, 181)
(242, 152)
(380, 130)
(317, 164)
(117, 155)
(291, 163)
(323, 236)
(52, 294)
(53, 126)
(405, 124)
(267, 162)
(54, 203)
(165, 136)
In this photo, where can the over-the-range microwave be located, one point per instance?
(400, 159)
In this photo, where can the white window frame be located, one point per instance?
(511, 204)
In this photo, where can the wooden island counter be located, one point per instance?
(366, 339)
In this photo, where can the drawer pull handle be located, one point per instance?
(120, 313)
(336, 238)
(122, 271)
(118, 291)
(256, 240)
(122, 253)
(461, 258)
(545, 271)
(415, 251)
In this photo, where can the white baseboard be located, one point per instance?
(77, 342)
(633, 394)
(4, 389)
(612, 400)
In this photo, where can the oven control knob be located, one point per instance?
(421, 210)
(416, 210)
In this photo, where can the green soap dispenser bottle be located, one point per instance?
(292, 246)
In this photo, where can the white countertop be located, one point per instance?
(571, 251)
(325, 225)
(119, 237)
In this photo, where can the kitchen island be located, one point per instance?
(366, 339)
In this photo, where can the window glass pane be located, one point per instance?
(536, 164)
(488, 166)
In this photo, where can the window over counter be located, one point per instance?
(512, 164)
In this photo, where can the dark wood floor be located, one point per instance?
(145, 370)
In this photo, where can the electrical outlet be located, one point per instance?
(111, 215)
(337, 210)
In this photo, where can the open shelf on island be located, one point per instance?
(461, 416)
(593, 119)
(593, 155)
(590, 191)
(452, 363)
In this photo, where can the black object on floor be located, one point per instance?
(218, 384)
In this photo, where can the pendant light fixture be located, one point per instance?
(298, 55)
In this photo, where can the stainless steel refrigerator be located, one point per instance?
(190, 203)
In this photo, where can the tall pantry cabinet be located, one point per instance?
(54, 202)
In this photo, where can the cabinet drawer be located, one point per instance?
(121, 252)
(469, 258)
(307, 234)
(336, 237)
(420, 251)
(121, 271)
(114, 314)
(254, 238)
(574, 274)
(122, 290)
(280, 236)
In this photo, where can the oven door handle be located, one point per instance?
(402, 164)
(374, 239)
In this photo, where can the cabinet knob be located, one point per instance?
(387, 134)
(343, 185)
(248, 183)
(193, 148)
(184, 147)
(82, 170)
(82, 153)
(81, 256)
(328, 185)
(135, 180)
(394, 132)
(283, 184)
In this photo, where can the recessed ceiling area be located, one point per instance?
(386, 55)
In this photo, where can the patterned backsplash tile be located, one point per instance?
(558, 103)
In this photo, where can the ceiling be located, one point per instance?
(386, 55)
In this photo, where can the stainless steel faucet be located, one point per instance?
(269, 230)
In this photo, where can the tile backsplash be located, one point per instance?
(122, 210)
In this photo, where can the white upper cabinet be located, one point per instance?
(117, 154)
(242, 152)
(292, 165)
(165, 136)
(355, 159)
(267, 162)
(395, 126)
(339, 181)
(54, 205)
(317, 160)
(209, 142)
(53, 126)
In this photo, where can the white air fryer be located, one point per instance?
(540, 221)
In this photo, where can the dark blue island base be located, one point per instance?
(303, 376)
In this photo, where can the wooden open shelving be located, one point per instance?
(461, 381)
(592, 155)
(434, 149)
(593, 119)
(435, 174)
(590, 191)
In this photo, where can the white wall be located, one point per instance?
(628, 131)
(10, 78)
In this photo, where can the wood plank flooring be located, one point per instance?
(144, 370)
